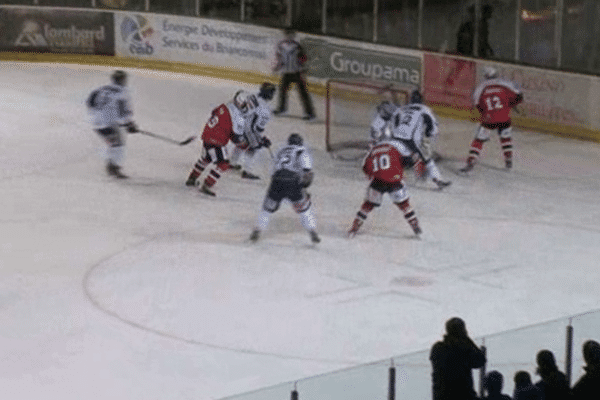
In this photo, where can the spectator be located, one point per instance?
(291, 63)
(524, 388)
(452, 360)
(466, 34)
(493, 383)
(553, 383)
(588, 386)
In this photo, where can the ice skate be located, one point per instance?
(467, 168)
(441, 183)
(115, 171)
(190, 182)
(354, 229)
(314, 237)
(508, 163)
(248, 175)
(279, 112)
(309, 117)
(414, 224)
(204, 189)
(254, 235)
(235, 167)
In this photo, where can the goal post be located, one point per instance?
(350, 106)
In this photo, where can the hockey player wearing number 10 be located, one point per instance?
(383, 166)
(110, 109)
(494, 98)
(293, 174)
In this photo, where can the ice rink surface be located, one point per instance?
(145, 289)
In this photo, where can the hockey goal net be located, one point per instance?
(350, 108)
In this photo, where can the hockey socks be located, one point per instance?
(410, 216)
(199, 167)
(475, 151)
(361, 216)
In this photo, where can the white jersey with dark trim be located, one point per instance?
(293, 158)
(412, 122)
(110, 106)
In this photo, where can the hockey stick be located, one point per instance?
(166, 139)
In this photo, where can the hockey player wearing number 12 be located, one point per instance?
(383, 166)
(494, 98)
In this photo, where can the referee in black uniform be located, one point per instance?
(291, 60)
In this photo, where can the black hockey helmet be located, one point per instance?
(267, 90)
(385, 109)
(416, 97)
(119, 77)
(295, 139)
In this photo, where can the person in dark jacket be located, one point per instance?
(588, 386)
(452, 360)
(553, 383)
(493, 383)
(524, 388)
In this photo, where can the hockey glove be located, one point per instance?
(307, 179)
(265, 142)
(131, 127)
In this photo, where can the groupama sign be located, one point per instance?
(329, 60)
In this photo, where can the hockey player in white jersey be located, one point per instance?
(293, 174)
(110, 109)
(259, 114)
(380, 124)
(416, 127)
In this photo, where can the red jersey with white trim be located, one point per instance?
(384, 163)
(494, 98)
(224, 122)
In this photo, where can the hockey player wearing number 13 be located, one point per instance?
(293, 174)
(383, 166)
(494, 98)
(110, 109)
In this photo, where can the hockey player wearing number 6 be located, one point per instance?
(494, 98)
(293, 174)
(110, 109)
(226, 123)
(383, 166)
(415, 127)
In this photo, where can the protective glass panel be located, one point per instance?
(585, 327)
(397, 23)
(267, 12)
(514, 351)
(65, 3)
(130, 5)
(177, 7)
(350, 19)
(221, 9)
(581, 36)
(538, 22)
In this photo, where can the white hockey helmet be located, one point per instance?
(240, 100)
(490, 73)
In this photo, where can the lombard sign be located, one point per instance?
(49, 31)
(193, 40)
(329, 60)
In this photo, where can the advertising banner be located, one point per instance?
(56, 31)
(549, 96)
(449, 81)
(333, 61)
(195, 41)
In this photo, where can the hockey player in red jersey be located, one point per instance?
(383, 166)
(226, 123)
(494, 98)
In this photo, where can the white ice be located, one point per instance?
(144, 289)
